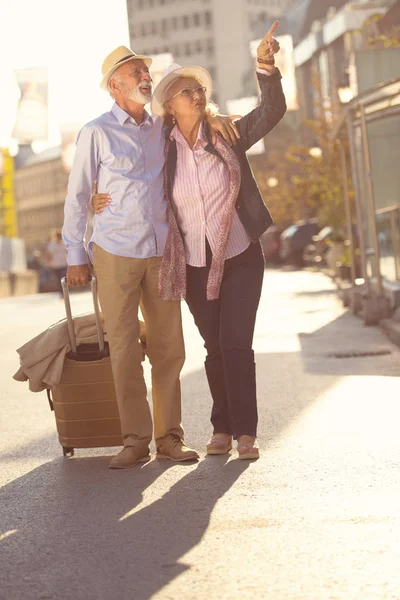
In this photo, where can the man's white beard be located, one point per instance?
(136, 95)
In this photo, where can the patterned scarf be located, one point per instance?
(172, 277)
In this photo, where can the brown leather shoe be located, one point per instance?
(129, 457)
(173, 448)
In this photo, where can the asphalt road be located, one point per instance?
(317, 517)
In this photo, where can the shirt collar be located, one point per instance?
(123, 116)
(201, 140)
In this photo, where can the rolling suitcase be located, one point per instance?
(84, 401)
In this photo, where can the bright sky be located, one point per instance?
(71, 38)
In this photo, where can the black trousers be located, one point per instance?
(227, 327)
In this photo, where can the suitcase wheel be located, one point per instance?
(67, 451)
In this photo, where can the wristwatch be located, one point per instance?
(266, 62)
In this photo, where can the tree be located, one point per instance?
(303, 182)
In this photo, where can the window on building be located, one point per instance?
(186, 21)
(153, 28)
(174, 23)
(207, 18)
(188, 49)
(199, 46)
(196, 19)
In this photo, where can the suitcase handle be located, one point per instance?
(49, 398)
(70, 323)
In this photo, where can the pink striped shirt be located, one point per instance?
(201, 188)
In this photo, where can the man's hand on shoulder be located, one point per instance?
(78, 275)
(225, 126)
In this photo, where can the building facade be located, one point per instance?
(329, 61)
(40, 190)
(212, 33)
(370, 124)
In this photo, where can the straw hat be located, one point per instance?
(172, 73)
(118, 57)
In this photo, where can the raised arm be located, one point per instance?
(260, 121)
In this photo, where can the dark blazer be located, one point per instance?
(250, 206)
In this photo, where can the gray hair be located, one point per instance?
(108, 85)
(117, 79)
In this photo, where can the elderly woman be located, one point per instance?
(213, 257)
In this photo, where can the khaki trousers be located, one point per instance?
(124, 284)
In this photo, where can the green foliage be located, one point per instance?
(309, 186)
(377, 39)
(346, 258)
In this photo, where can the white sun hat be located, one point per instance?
(118, 57)
(174, 72)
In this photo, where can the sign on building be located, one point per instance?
(161, 62)
(31, 122)
(8, 213)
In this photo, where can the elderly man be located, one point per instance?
(123, 152)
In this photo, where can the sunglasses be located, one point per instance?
(189, 92)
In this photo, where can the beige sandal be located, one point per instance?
(220, 443)
(248, 450)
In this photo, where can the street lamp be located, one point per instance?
(272, 182)
(345, 94)
(315, 152)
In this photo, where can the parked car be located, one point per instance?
(315, 253)
(295, 239)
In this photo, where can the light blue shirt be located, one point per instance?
(126, 159)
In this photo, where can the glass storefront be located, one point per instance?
(388, 230)
(383, 129)
(384, 144)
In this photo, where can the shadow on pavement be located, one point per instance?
(70, 540)
(324, 351)
(38, 448)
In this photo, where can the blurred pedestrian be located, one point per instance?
(213, 256)
(35, 260)
(56, 258)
